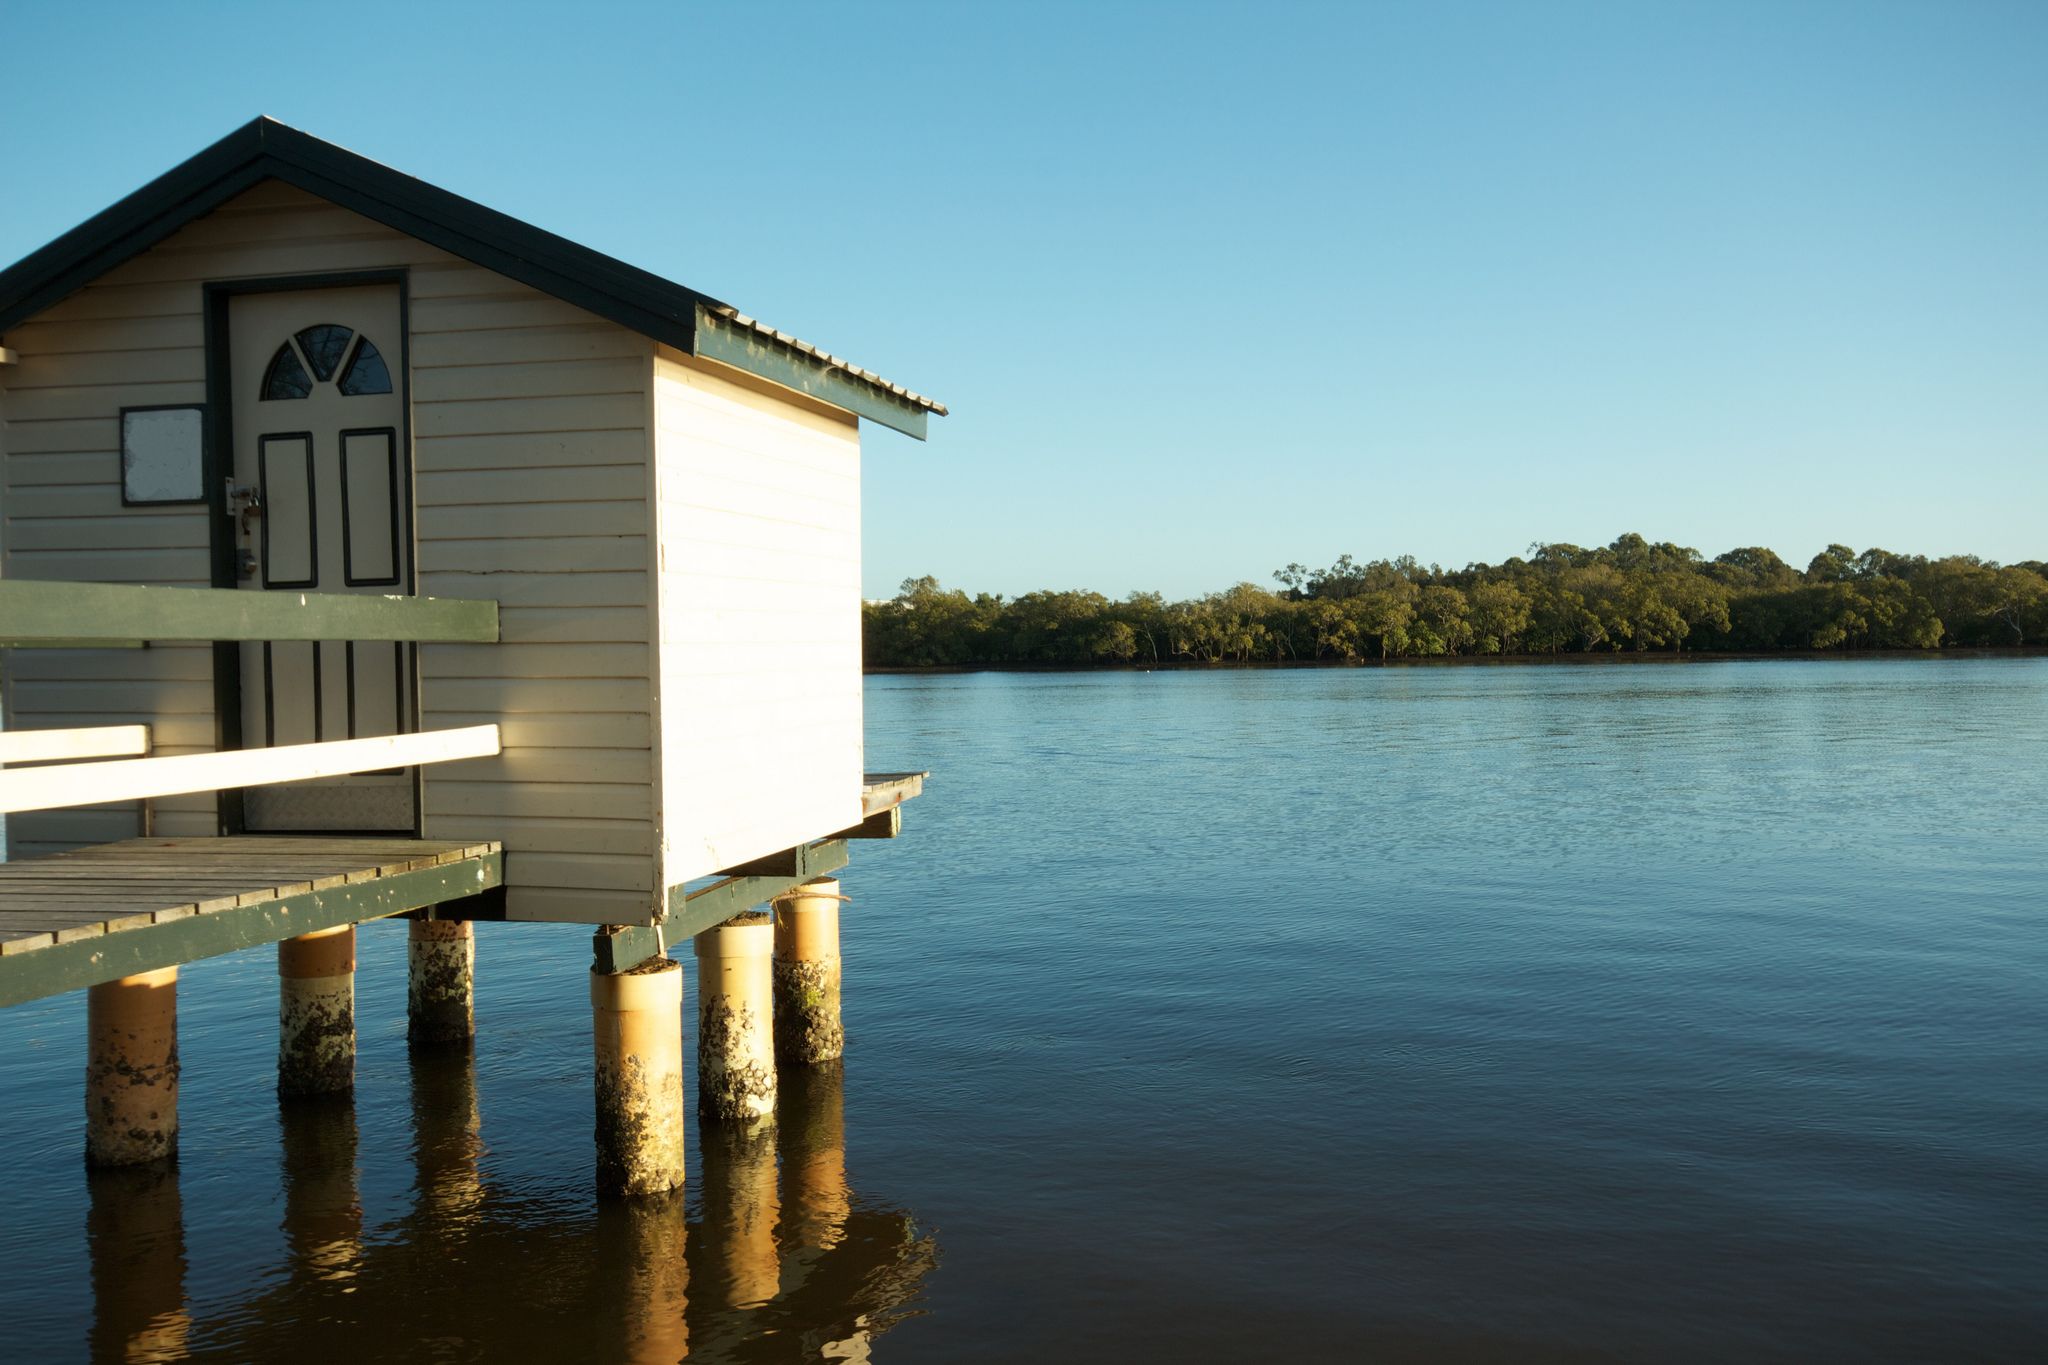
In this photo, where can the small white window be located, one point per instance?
(163, 453)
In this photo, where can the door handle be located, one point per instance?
(245, 501)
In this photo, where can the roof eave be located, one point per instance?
(723, 335)
(636, 299)
(130, 226)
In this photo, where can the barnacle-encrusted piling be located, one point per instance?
(735, 1039)
(316, 1012)
(807, 1027)
(440, 982)
(637, 1021)
(131, 1069)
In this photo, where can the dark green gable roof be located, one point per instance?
(268, 150)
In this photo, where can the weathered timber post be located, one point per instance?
(807, 1027)
(316, 1012)
(131, 1069)
(637, 1022)
(135, 1237)
(440, 981)
(735, 1010)
(741, 1211)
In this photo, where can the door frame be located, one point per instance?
(218, 467)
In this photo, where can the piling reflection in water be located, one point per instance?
(843, 1272)
(323, 1210)
(741, 1205)
(645, 1249)
(135, 1235)
(447, 1136)
(816, 1199)
(775, 1258)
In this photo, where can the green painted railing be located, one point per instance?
(83, 615)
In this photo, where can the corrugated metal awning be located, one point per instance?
(826, 358)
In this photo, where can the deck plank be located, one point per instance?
(93, 914)
(14, 941)
(882, 791)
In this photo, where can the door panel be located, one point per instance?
(369, 514)
(319, 405)
(290, 532)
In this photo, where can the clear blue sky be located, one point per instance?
(1210, 288)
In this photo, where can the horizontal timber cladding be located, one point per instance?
(513, 487)
(539, 554)
(530, 455)
(758, 660)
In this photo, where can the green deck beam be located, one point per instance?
(743, 348)
(886, 823)
(622, 947)
(71, 644)
(79, 614)
(174, 943)
(692, 912)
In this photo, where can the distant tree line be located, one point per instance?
(1634, 595)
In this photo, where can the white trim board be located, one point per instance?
(89, 784)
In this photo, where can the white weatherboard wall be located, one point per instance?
(136, 340)
(759, 676)
(532, 470)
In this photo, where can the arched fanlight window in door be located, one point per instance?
(365, 372)
(316, 354)
(286, 377)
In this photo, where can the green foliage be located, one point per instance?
(1498, 614)
(1633, 594)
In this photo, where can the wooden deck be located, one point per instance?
(70, 920)
(886, 791)
(74, 919)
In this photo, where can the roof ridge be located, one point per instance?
(267, 148)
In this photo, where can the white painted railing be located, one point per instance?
(131, 779)
(49, 746)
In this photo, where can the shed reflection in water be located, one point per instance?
(782, 1261)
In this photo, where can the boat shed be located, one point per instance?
(285, 368)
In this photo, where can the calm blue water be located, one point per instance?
(1685, 1013)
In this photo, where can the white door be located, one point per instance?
(323, 503)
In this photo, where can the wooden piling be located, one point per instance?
(637, 1023)
(131, 1070)
(440, 982)
(735, 1012)
(316, 1012)
(807, 1025)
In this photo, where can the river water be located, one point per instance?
(1686, 1012)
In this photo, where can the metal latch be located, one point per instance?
(245, 504)
(244, 499)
